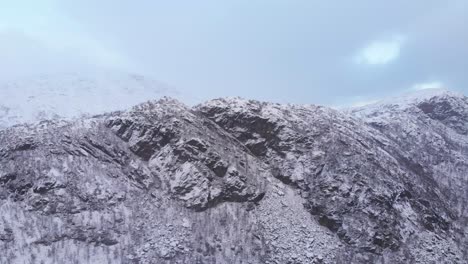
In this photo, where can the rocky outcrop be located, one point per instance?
(200, 164)
(344, 169)
(239, 181)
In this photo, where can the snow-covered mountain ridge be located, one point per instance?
(239, 181)
(72, 95)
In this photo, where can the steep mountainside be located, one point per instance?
(71, 95)
(239, 181)
(432, 129)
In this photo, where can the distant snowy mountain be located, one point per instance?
(71, 95)
(404, 101)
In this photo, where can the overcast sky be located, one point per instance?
(330, 52)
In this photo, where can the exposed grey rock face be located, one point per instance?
(238, 181)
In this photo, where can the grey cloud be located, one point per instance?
(288, 51)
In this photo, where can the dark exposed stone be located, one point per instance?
(331, 222)
(4, 179)
(6, 235)
(45, 187)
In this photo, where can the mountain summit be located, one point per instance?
(71, 95)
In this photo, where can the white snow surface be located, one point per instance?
(70, 95)
(405, 100)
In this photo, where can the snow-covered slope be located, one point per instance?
(403, 101)
(71, 95)
(431, 127)
(240, 181)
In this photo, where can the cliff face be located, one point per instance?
(238, 181)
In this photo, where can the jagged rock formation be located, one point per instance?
(239, 181)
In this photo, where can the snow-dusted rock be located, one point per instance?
(357, 181)
(239, 181)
